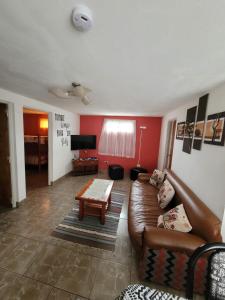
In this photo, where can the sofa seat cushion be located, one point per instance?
(143, 210)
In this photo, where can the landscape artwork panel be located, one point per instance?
(199, 130)
(180, 130)
(200, 122)
(215, 129)
(189, 129)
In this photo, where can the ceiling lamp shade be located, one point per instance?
(43, 123)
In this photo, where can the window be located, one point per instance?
(118, 138)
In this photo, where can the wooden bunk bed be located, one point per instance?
(36, 150)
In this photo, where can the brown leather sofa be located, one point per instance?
(163, 254)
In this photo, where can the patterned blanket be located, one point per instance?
(140, 292)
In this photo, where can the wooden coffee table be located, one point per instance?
(94, 198)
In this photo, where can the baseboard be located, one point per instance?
(19, 202)
(61, 178)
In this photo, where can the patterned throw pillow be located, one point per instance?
(165, 194)
(157, 178)
(175, 219)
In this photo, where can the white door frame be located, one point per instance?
(12, 152)
(168, 136)
(50, 148)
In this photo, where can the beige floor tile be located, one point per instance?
(39, 233)
(21, 256)
(79, 275)
(123, 250)
(7, 243)
(57, 294)
(121, 254)
(124, 211)
(4, 223)
(49, 263)
(123, 228)
(111, 279)
(16, 287)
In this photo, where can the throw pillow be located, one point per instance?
(157, 178)
(165, 194)
(175, 219)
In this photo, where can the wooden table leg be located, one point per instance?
(109, 201)
(103, 214)
(81, 210)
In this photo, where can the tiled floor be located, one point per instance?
(36, 178)
(35, 265)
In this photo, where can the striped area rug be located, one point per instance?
(90, 231)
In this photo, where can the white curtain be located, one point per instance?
(118, 138)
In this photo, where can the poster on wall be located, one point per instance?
(62, 126)
(215, 129)
(200, 122)
(180, 130)
(189, 129)
(59, 132)
(64, 141)
(59, 117)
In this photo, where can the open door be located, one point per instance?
(5, 174)
(36, 148)
(170, 144)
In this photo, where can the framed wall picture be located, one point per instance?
(59, 117)
(189, 129)
(198, 132)
(180, 130)
(215, 129)
(200, 122)
(59, 132)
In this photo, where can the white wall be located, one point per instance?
(60, 156)
(203, 171)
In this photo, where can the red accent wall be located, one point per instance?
(150, 142)
(31, 124)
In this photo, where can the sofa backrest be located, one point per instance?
(203, 221)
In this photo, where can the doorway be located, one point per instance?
(35, 148)
(5, 173)
(170, 143)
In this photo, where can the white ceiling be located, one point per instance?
(141, 57)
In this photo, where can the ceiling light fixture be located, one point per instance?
(43, 123)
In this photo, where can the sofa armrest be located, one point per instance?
(144, 177)
(158, 238)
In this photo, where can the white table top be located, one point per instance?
(97, 189)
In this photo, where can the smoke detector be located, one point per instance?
(82, 18)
